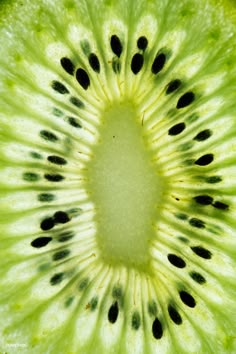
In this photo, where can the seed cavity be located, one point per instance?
(197, 277)
(198, 223)
(57, 160)
(48, 136)
(142, 43)
(116, 45)
(176, 261)
(46, 197)
(59, 87)
(187, 299)
(47, 224)
(202, 252)
(60, 255)
(93, 303)
(203, 135)
(56, 278)
(203, 199)
(82, 78)
(173, 86)
(213, 179)
(204, 160)
(185, 100)
(157, 329)
(177, 129)
(53, 177)
(136, 320)
(174, 315)
(116, 66)
(152, 308)
(83, 284)
(31, 177)
(94, 62)
(137, 63)
(74, 122)
(158, 63)
(36, 155)
(67, 65)
(76, 102)
(117, 292)
(41, 242)
(220, 205)
(113, 312)
(65, 236)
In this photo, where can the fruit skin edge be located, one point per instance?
(227, 5)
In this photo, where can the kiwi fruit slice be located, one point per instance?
(117, 176)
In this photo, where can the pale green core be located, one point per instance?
(126, 188)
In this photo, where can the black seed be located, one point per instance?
(176, 261)
(220, 205)
(152, 308)
(201, 252)
(30, 177)
(137, 63)
(60, 255)
(187, 299)
(198, 278)
(176, 129)
(47, 224)
(205, 134)
(183, 239)
(116, 45)
(116, 65)
(136, 320)
(76, 102)
(46, 197)
(142, 43)
(174, 315)
(67, 65)
(82, 78)
(74, 122)
(204, 160)
(117, 292)
(158, 63)
(40, 242)
(157, 329)
(53, 177)
(94, 62)
(185, 100)
(197, 223)
(83, 284)
(66, 236)
(49, 136)
(59, 87)
(93, 303)
(57, 160)
(61, 217)
(113, 312)
(203, 199)
(56, 278)
(173, 86)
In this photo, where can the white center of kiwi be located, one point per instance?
(125, 186)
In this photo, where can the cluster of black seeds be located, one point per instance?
(59, 217)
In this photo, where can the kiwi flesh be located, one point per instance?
(117, 176)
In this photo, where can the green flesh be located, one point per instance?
(139, 191)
